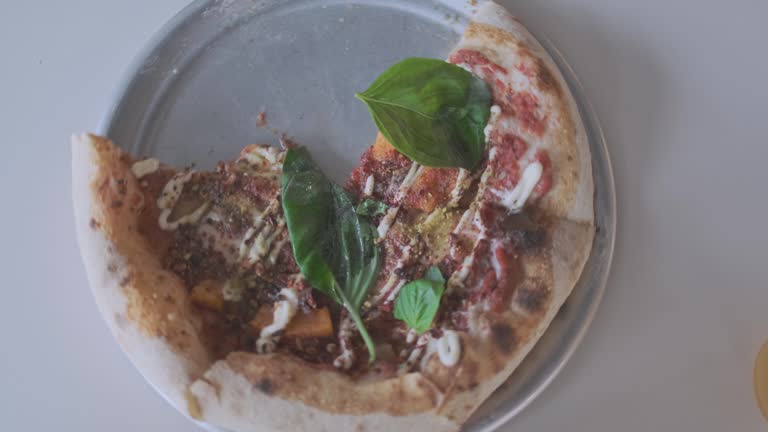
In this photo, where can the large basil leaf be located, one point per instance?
(333, 246)
(431, 111)
(418, 301)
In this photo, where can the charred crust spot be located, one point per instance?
(528, 240)
(504, 337)
(112, 267)
(532, 298)
(94, 224)
(125, 280)
(116, 203)
(266, 386)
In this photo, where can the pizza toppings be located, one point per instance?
(434, 208)
(170, 196)
(369, 184)
(418, 300)
(449, 348)
(333, 245)
(431, 111)
(515, 199)
(285, 309)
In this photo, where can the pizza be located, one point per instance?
(212, 285)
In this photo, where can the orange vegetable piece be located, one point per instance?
(207, 294)
(316, 323)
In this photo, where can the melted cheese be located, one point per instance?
(145, 167)
(282, 315)
(515, 199)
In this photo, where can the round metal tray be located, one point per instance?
(195, 93)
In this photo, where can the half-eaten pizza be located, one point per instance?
(261, 296)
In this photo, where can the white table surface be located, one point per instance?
(681, 90)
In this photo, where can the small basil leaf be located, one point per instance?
(431, 111)
(333, 246)
(418, 301)
(371, 207)
(433, 274)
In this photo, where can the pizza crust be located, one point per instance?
(253, 393)
(145, 307)
(499, 35)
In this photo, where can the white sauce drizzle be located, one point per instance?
(145, 167)
(369, 184)
(394, 283)
(422, 343)
(257, 155)
(281, 316)
(261, 245)
(405, 186)
(272, 258)
(515, 199)
(495, 113)
(463, 180)
(347, 356)
(386, 221)
(402, 191)
(255, 250)
(449, 348)
(172, 190)
(466, 67)
(168, 199)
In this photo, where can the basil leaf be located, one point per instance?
(431, 111)
(418, 300)
(333, 246)
(371, 207)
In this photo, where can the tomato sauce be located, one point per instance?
(431, 189)
(473, 59)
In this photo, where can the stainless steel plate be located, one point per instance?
(195, 94)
